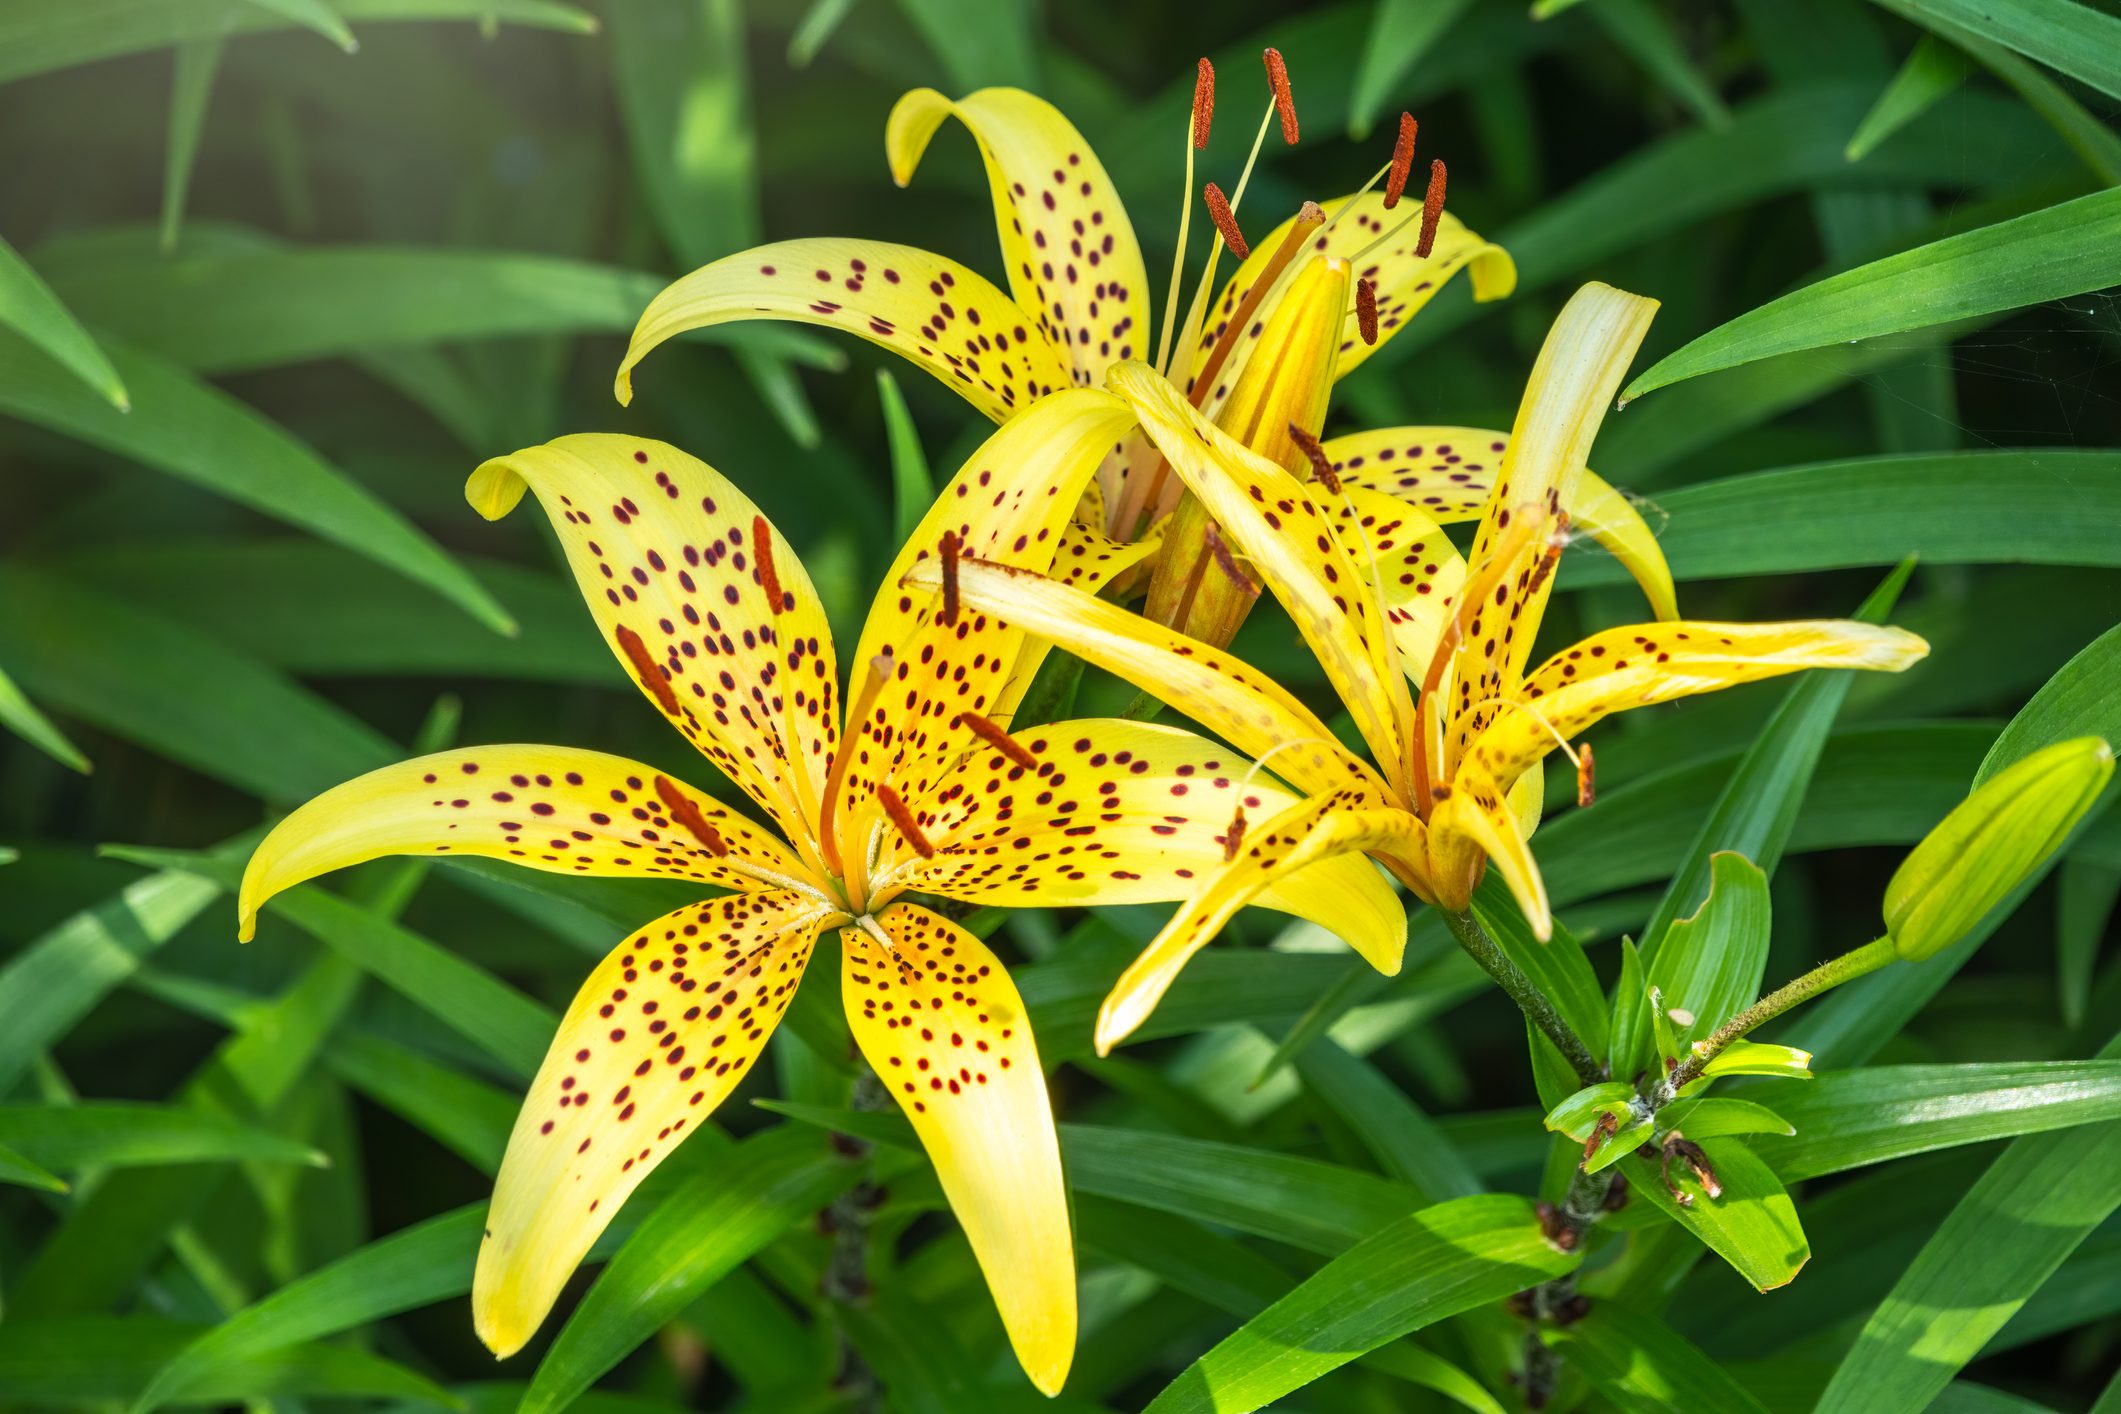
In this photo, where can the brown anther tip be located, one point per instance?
(645, 668)
(1227, 562)
(1001, 741)
(1203, 102)
(903, 819)
(1225, 220)
(1608, 1125)
(1431, 210)
(686, 812)
(1234, 837)
(1321, 465)
(949, 556)
(762, 551)
(1402, 160)
(1366, 310)
(1586, 778)
(1284, 101)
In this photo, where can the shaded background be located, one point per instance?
(391, 264)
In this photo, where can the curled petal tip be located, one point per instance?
(622, 386)
(246, 927)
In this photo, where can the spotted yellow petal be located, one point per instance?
(1509, 577)
(1405, 282)
(1286, 851)
(938, 1018)
(545, 807)
(1229, 697)
(1641, 664)
(1291, 544)
(941, 315)
(1447, 473)
(1415, 571)
(1476, 820)
(731, 645)
(658, 1036)
(1011, 503)
(1106, 811)
(1067, 244)
(1089, 561)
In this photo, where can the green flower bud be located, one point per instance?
(1991, 843)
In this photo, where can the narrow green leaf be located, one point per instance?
(199, 434)
(2083, 698)
(1711, 963)
(2041, 1197)
(20, 716)
(467, 1115)
(2070, 38)
(1847, 1119)
(1715, 1117)
(1406, 1142)
(36, 37)
(1647, 36)
(197, 61)
(1421, 1269)
(316, 15)
(21, 1172)
(1402, 33)
(113, 1134)
(817, 26)
(1645, 1367)
(2084, 904)
(2092, 139)
(103, 1361)
(980, 42)
(694, 1237)
(28, 306)
(1933, 69)
(1557, 966)
(1753, 1225)
(1761, 1058)
(912, 486)
(2050, 254)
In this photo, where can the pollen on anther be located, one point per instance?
(686, 812)
(1000, 740)
(762, 548)
(1431, 210)
(1225, 220)
(903, 819)
(1586, 778)
(1321, 465)
(1227, 562)
(1234, 837)
(1402, 160)
(949, 557)
(1366, 310)
(1203, 102)
(1284, 101)
(644, 668)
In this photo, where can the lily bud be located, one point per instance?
(1283, 379)
(1990, 844)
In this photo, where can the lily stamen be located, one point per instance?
(903, 820)
(1197, 307)
(1402, 160)
(1225, 220)
(1321, 465)
(648, 670)
(1000, 740)
(1219, 549)
(1308, 220)
(1586, 777)
(1431, 210)
(1366, 310)
(686, 812)
(1284, 100)
(1203, 118)
(949, 557)
(762, 552)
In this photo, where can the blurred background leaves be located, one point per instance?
(277, 273)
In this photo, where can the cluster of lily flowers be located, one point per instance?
(1194, 480)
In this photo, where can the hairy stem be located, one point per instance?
(846, 1277)
(1868, 958)
(1530, 1000)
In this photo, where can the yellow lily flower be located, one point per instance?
(1307, 306)
(914, 789)
(1452, 781)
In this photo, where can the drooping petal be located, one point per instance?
(1088, 561)
(545, 807)
(658, 1036)
(1107, 811)
(1066, 240)
(1223, 693)
(729, 643)
(1415, 571)
(1509, 572)
(1641, 664)
(943, 316)
(1285, 852)
(1476, 819)
(1011, 503)
(1404, 281)
(944, 1028)
(1291, 544)
(1447, 473)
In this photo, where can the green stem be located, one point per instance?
(1530, 1000)
(1868, 958)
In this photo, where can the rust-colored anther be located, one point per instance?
(1431, 210)
(1402, 160)
(1366, 310)
(762, 551)
(949, 554)
(1234, 837)
(1557, 540)
(646, 669)
(1203, 102)
(1227, 562)
(1309, 217)
(1321, 465)
(1608, 1125)
(686, 811)
(1284, 101)
(903, 819)
(1225, 220)
(1000, 740)
(1586, 778)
